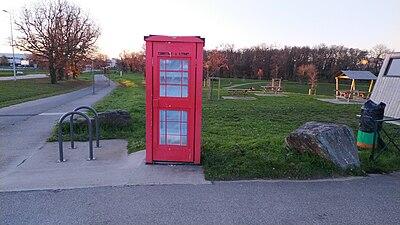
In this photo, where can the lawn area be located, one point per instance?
(326, 89)
(245, 139)
(13, 92)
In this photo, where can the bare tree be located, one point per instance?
(133, 61)
(378, 53)
(58, 33)
(100, 61)
(309, 71)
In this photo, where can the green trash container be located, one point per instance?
(365, 140)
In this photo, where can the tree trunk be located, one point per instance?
(61, 73)
(53, 73)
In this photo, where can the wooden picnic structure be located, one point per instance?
(242, 91)
(352, 92)
(274, 86)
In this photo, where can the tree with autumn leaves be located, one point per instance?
(215, 61)
(58, 33)
(132, 61)
(310, 72)
(275, 62)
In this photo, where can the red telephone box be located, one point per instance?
(174, 71)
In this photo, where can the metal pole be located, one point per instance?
(93, 88)
(96, 120)
(90, 141)
(375, 137)
(12, 44)
(71, 130)
(60, 144)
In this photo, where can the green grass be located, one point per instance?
(13, 92)
(10, 73)
(245, 139)
(327, 89)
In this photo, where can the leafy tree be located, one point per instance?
(58, 33)
(214, 62)
(310, 72)
(133, 61)
(4, 61)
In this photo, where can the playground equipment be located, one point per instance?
(274, 86)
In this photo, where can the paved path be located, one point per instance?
(21, 136)
(371, 200)
(24, 77)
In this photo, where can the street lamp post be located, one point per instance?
(12, 43)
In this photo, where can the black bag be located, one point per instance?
(369, 113)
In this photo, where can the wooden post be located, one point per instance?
(371, 83)
(209, 88)
(337, 87)
(353, 85)
(352, 88)
(219, 87)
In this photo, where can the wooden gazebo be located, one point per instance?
(354, 75)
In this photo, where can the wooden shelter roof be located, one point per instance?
(356, 75)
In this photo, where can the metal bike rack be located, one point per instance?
(60, 141)
(96, 121)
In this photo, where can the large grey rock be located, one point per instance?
(113, 118)
(119, 118)
(334, 142)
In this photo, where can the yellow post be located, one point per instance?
(353, 85)
(370, 86)
(337, 87)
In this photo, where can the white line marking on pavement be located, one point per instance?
(51, 114)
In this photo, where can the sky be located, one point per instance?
(243, 23)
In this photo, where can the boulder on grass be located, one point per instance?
(113, 118)
(334, 142)
(117, 118)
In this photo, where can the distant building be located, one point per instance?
(112, 62)
(20, 59)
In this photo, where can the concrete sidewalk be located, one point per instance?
(112, 167)
(24, 77)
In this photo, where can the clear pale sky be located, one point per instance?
(244, 23)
